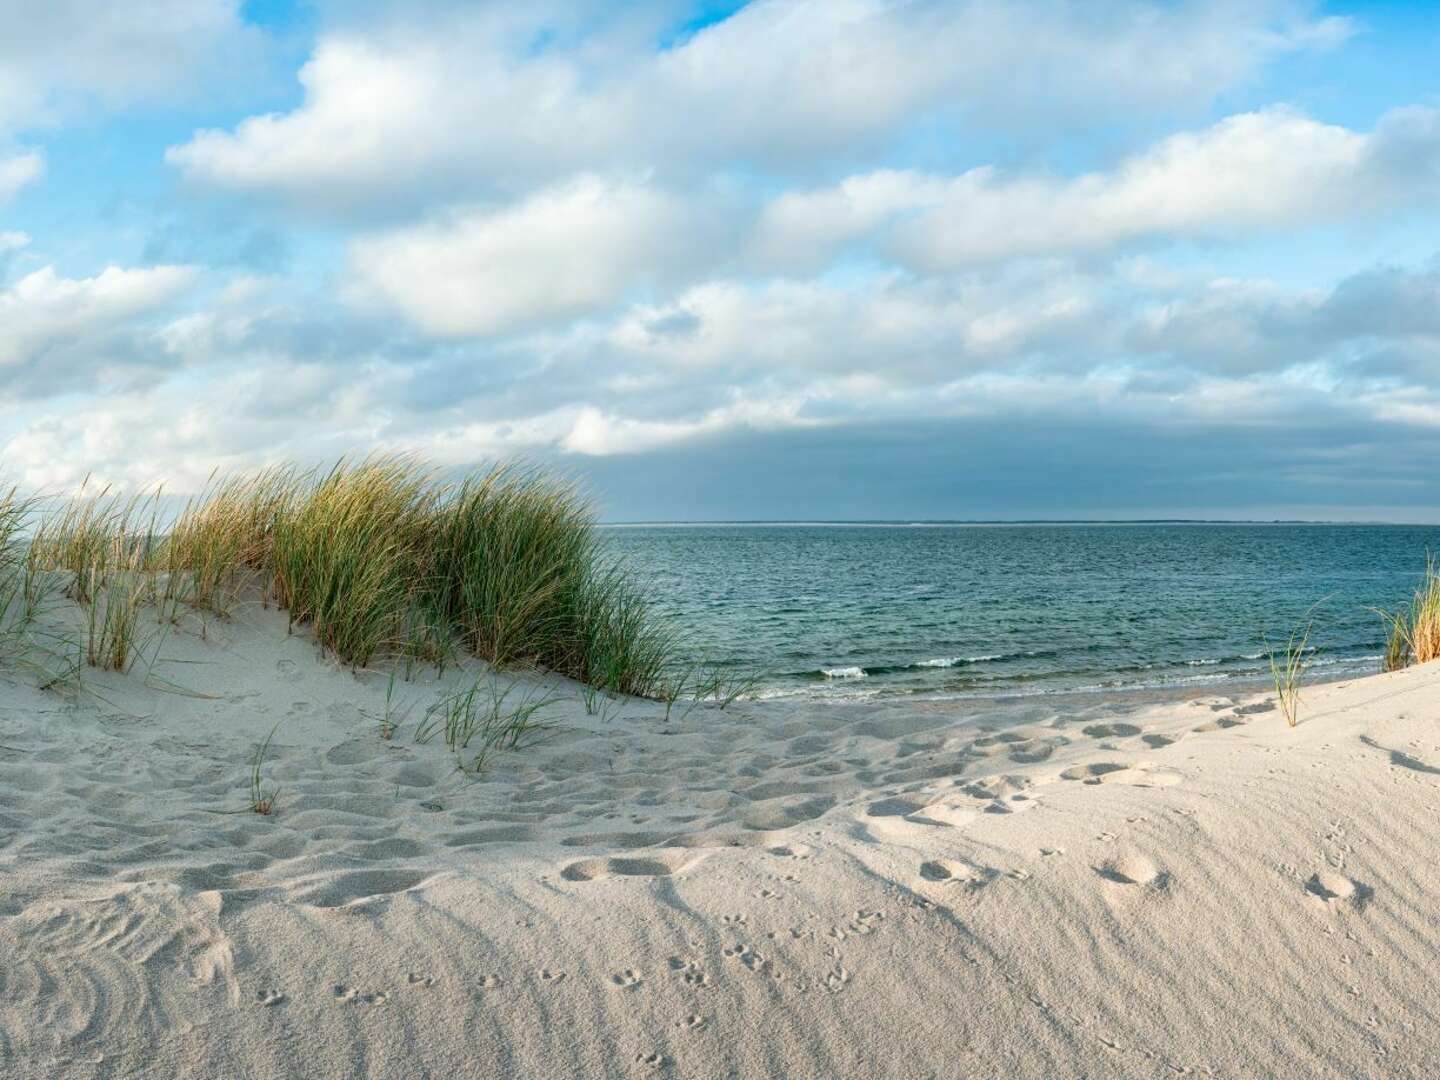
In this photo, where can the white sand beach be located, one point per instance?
(772, 889)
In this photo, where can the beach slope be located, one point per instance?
(775, 888)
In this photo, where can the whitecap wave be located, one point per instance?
(843, 673)
(955, 661)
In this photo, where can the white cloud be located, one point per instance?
(1262, 170)
(560, 253)
(468, 103)
(60, 55)
(18, 172)
(44, 311)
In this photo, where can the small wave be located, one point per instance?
(843, 673)
(955, 661)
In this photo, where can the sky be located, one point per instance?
(786, 259)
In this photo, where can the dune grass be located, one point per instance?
(377, 557)
(22, 591)
(1287, 670)
(1413, 636)
(492, 718)
(105, 542)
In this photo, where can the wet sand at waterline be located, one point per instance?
(785, 887)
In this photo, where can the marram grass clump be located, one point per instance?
(378, 557)
(1413, 636)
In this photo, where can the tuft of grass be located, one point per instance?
(724, 687)
(26, 593)
(394, 715)
(1413, 636)
(225, 537)
(262, 801)
(1287, 669)
(106, 543)
(350, 554)
(495, 720)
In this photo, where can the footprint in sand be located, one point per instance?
(551, 977)
(1111, 731)
(1119, 772)
(490, 982)
(1335, 889)
(269, 998)
(415, 979)
(955, 872)
(1132, 870)
(661, 865)
(628, 979)
(1222, 724)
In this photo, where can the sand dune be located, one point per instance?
(773, 889)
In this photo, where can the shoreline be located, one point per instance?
(887, 889)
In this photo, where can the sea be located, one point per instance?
(848, 611)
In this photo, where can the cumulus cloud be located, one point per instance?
(57, 322)
(467, 101)
(557, 254)
(1270, 169)
(61, 55)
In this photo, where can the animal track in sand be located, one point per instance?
(416, 979)
(1159, 742)
(629, 979)
(352, 996)
(1134, 870)
(661, 865)
(551, 976)
(864, 922)
(1119, 772)
(1334, 889)
(269, 998)
(690, 972)
(691, 1022)
(837, 978)
(288, 670)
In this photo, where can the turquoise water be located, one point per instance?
(972, 611)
